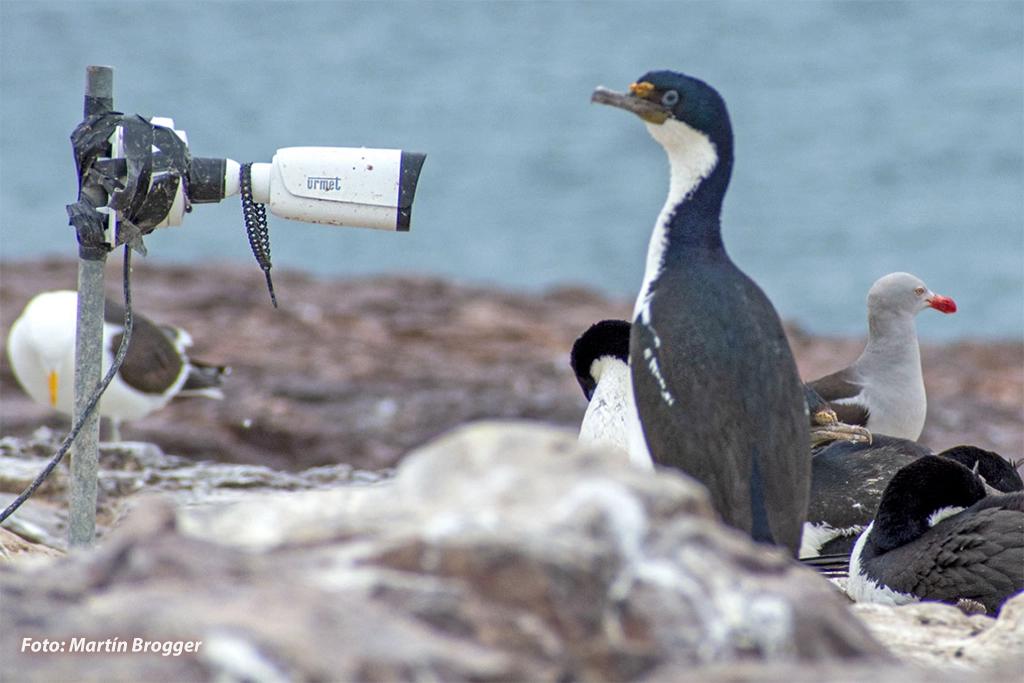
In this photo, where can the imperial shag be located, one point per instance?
(41, 348)
(884, 389)
(716, 387)
(847, 481)
(937, 536)
(600, 360)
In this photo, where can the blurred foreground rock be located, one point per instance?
(130, 468)
(940, 636)
(501, 551)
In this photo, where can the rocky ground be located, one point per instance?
(499, 551)
(360, 371)
(325, 522)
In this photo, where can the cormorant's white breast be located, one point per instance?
(600, 360)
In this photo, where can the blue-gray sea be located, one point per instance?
(871, 137)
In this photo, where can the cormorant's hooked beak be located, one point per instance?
(941, 303)
(635, 101)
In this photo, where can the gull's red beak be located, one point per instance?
(942, 303)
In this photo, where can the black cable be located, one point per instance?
(94, 399)
(256, 226)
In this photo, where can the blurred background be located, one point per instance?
(870, 137)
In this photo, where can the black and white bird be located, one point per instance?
(937, 536)
(716, 387)
(600, 361)
(884, 388)
(825, 424)
(41, 348)
(848, 479)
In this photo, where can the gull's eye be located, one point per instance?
(670, 98)
(919, 291)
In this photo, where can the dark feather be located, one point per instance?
(153, 363)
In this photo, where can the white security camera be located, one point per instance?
(160, 180)
(354, 186)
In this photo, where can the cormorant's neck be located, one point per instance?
(896, 527)
(700, 171)
(691, 217)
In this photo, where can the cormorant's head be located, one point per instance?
(919, 495)
(998, 472)
(660, 96)
(608, 338)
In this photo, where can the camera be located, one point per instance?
(353, 186)
(154, 180)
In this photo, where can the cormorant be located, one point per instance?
(716, 387)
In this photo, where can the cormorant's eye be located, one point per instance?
(670, 98)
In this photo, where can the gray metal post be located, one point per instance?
(92, 264)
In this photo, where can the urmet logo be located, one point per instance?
(322, 183)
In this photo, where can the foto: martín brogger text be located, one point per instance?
(166, 648)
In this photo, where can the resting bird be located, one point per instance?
(937, 536)
(716, 388)
(41, 348)
(847, 481)
(600, 360)
(884, 389)
(999, 474)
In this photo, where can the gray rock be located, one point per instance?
(501, 551)
(127, 469)
(937, 635)
(16, 548)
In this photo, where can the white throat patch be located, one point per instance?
(691, 157)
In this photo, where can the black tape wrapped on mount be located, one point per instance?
(90, 141)
(141, 186)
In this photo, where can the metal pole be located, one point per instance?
(92, 264)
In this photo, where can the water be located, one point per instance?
(871, 137)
